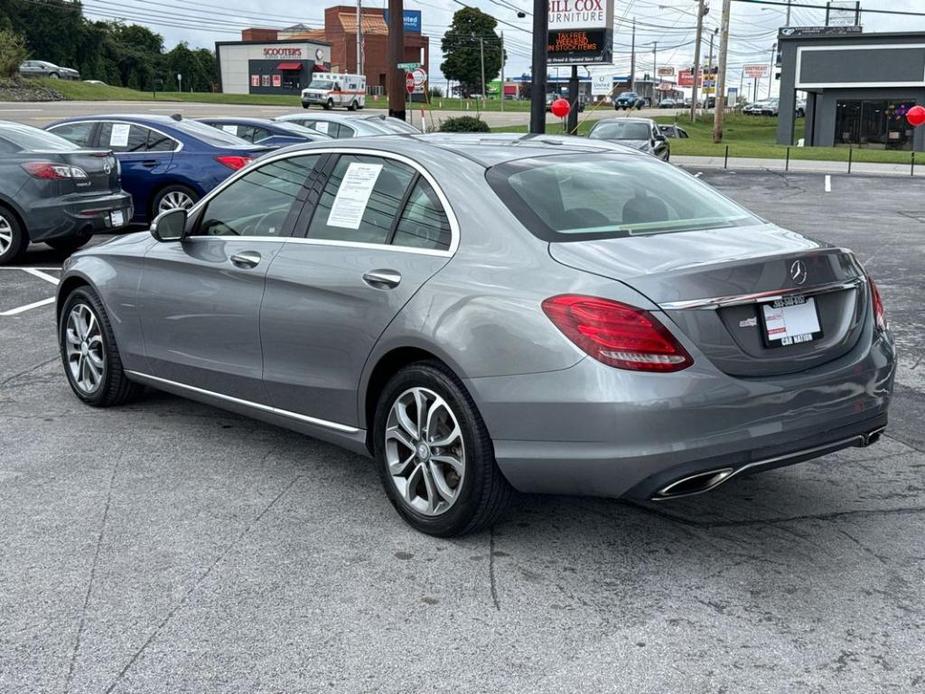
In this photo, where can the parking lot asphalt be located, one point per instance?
(168, 546)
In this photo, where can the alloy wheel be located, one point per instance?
(85, 351)
(6, 235)
(425, 452)
(175, 199)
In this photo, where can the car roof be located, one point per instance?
(241, 120)
(647, 121)
(484, 149)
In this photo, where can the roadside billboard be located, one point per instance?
(757, 71)
(412, 23)
(580, 32)
(601, 81)
(666, 71)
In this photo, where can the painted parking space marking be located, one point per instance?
(828, 183)
(27, 307)
(40, 273)
(35, 272)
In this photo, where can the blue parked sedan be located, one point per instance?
(265, 132)
(167, 162)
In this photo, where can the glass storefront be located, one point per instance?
(874, 124)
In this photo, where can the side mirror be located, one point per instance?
(169, 226)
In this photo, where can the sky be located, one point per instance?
(670, 23)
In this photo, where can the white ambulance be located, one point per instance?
(330, 89)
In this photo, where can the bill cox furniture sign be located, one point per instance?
(580, 32)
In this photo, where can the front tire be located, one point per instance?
(90, 354)
(13, 238)
(434, 453)
(329, 105)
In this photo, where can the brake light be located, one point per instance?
(233, 161)
(49, 171)
(617, 334)
(879, 313)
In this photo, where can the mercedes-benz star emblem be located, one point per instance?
(798, 272)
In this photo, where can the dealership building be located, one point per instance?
(281, 61)
(858, 87)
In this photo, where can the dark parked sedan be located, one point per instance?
(55, 192)
(265, 132)
(478, 313)
(639, 133)
(167, 162)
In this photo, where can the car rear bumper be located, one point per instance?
(593, 430)
(76, 215)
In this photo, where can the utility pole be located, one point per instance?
(571, 122)
(656, 94)
(396, 53)
(633, 59)
(719, 112)
(482, 58)
(503, 60)
(359, 37)
(698, 73)
(538, 81)
(788, 13)
(771, 71)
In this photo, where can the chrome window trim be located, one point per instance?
(269, 159)
(126, 122)
(248, 403)
(773, 295)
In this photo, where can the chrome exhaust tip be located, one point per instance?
(695, 484)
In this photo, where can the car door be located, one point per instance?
(144, 155)
(200, 298)
(375, 229)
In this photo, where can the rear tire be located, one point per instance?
(353, 105)
(13, 238)
(171, 198)
(464, 489)
(90, 354)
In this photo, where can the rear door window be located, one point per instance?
(423, 222)
(123, 137)
(158, 142)
(361, 200)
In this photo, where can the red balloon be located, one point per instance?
(916, 116)
(561, 107)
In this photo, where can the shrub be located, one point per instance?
(435, 93)
(464, 124)
(12, 53)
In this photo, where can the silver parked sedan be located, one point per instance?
(480, 313)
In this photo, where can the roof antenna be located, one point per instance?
(177, 116)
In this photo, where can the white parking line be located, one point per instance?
(27, 307)
(35, 272)
(828, 183)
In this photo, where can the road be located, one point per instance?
(168, 546)
(41, 114)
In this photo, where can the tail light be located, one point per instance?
(879, 313)
(50, 171)
(617, 334)
(233, 161)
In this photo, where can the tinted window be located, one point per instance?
(206, 133)
(28, 139)
(259, 134)
(158, 142)
(330, 129)
(258, 203)
(574, 198)
(123, 137)
(361, 200)
(423, 222)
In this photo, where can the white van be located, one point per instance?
(330, 89)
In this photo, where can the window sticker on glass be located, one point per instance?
(119, 135)
(232, 129)
(353, 195)
(322, 127)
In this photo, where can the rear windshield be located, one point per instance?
(393, 125)
(615, 129)
(27, 139)
(210, 135)
(609, 195)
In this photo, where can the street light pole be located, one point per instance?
(633, 60)
(656, 95)
(538, 80)
(698, 73)
(771, 70)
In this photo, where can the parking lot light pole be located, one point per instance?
(719, 113)
(396, 83)
(538, 79)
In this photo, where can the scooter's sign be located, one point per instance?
(580, 32)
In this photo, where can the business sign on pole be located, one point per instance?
(686, 78)
(601, 81)
(412, 20)
(580, 32)
(757, 71)
(666, 71)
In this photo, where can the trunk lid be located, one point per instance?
(713, 284)
(101, 168)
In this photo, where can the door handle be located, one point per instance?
(246, 259)
(149, 163)
(382, 279)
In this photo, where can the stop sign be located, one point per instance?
(409, 82)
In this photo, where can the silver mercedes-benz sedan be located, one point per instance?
(481, 313)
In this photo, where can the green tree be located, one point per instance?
(12, 52)
(471, 33)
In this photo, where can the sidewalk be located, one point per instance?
(801, 166)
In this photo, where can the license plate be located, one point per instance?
(790, 321)
(117, 218)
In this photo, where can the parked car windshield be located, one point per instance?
(29, 139)
(615, 129)
(581, 197)
(321, 84)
